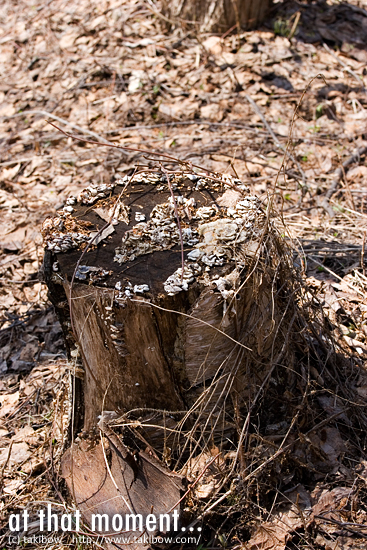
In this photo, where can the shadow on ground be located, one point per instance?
(343, 25)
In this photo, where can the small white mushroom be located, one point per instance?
(195, 254)
(139, 217)
(140, 289)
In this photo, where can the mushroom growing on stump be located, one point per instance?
(173, 287)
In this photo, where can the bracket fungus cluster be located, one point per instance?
(213, 222)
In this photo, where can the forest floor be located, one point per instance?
(109, 70)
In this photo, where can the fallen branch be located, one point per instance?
(345, 525)
(346, 67)
(63, 121)
(338, 176)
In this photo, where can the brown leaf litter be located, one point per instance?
(108, 71)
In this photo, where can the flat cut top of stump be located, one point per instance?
(133, 236)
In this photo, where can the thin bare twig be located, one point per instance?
(62, 121)
(276, 140)
(337, 276)
(188, 165)
(362, 252)
(150, 304)
(194, 483)
(5, 466)
(345, 525)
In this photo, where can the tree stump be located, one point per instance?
(214, 16)
(173, 288)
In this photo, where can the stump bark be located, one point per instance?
(171, 289)
(216, 16)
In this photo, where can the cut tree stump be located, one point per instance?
(174, 358)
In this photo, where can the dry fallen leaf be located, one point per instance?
(8, 402)
(274, 534)
(19, 453)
